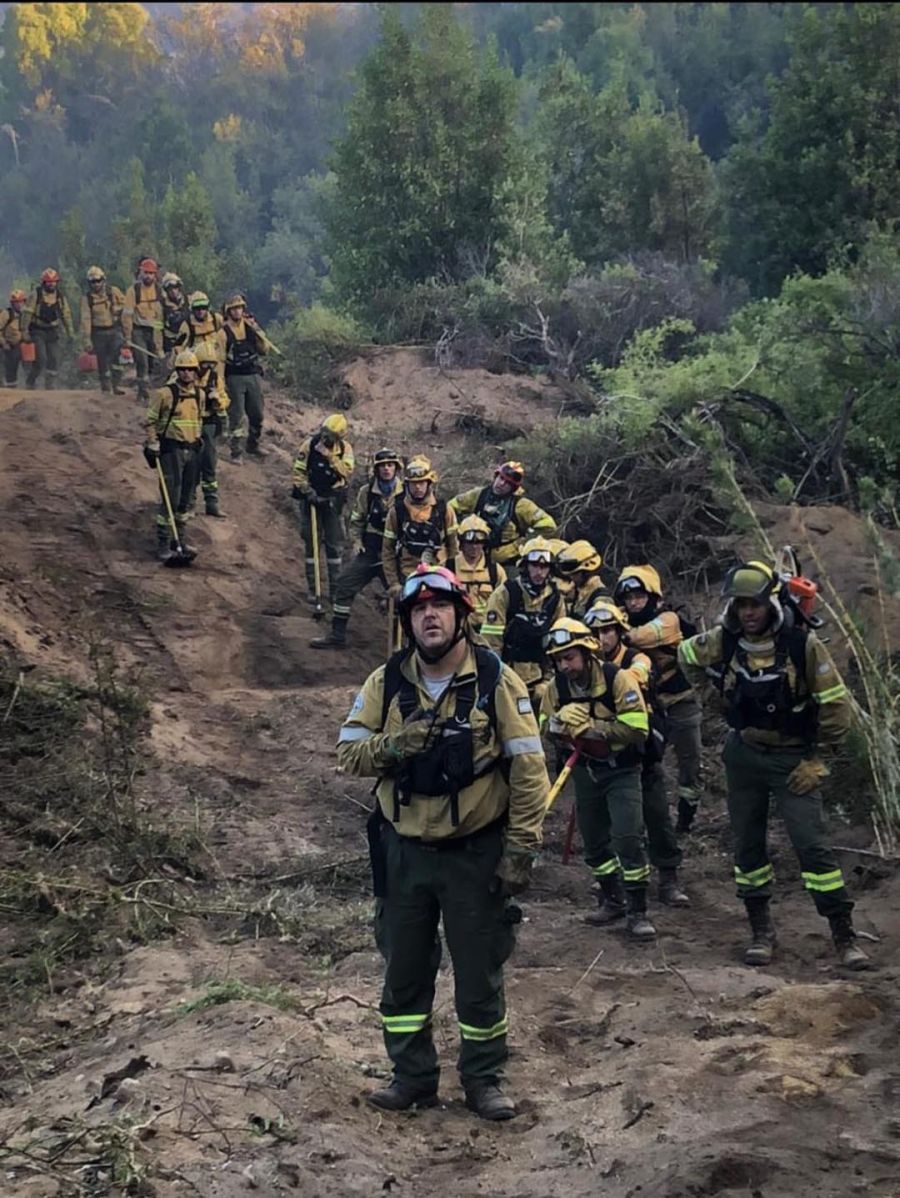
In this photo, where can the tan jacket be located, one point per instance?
(477, 581)
(493, 630)
(618, 717)
(527, 520)
(10, 329)
(143, 308)
(397, 559)
(187, 418)
(659, 639)
(363, 751)
(103, 311)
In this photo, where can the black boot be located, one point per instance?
(211, 502)
(335, 639)
(400, 1096)
(253, 446)
(637, 923)
(759, 951)
(105, 385)
(670, 893)
(686, 814)
(162, 543)
(610, 900)
(844, 937)
(488, 1101)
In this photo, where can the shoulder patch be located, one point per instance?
(523, 706)
(358, 704)
(491, 617)
(630, 697)
(824, 667)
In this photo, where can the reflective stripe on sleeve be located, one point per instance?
(688, 653)
(491, 630)
(354, 732)
(831, 695)
(516, 746)
(634, 719)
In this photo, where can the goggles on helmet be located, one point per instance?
(417, 473)
(428, 586)
(560, 637)
(631, 584)
(541, 557)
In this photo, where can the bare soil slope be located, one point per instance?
(667, 1071)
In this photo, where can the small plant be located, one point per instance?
(235, 990)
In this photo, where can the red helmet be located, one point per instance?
(148, 266)
(50, 275)
(511, 472)
(432, 582)
(17, 297)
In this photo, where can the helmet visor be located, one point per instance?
(540, 557)
(558, 638)
(428, 586)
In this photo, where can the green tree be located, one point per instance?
(420, 174)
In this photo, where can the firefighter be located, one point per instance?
(594, 706)
(785, 702)
(101, 327)
(215, 405)
(11, 336)
(475, 567)
(448, 732)
(658, 633)
(245, 344)
(176, 314)
(579, 563)
(142, 324)
(173, 430)
(367, 520)
(46, 312)
(521, 612)
(420, 527)
(609, 625)
(511, 516)
(204, 325)
(322, 470)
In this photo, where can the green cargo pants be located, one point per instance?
(209, 457)
(683, 720)
(46, 358)
(753, 778)
(146, 366)
(179, 468)
(355, 577)
(610, 817)
(426, 885)
(331, 538)
(662, 844)
(245, 404)
(107, 345)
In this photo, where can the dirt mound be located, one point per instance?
(234, 1053)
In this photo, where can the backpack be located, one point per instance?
(763, 698)
(630, 755)
(501, 511)
(491, 566)
(525, 631)
(447, 767)
(427, 534)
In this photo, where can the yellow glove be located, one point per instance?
(805, 777)
(574, 719)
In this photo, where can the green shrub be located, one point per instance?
(314, 344)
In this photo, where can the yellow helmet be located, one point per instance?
(511, 472)
(750, 580)
(570, 634)
(557, 545)
(580, 555)
(95, 274)
(419, 468)
(206, 351)
(335, 425)
(186, 360)
(199, 299)
(634, 578)
(170, 279)
(605, 615)
(537, 549)
(235, 300)
(473, 528)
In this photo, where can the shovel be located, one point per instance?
(180, 556)
(147, 352)
(563, 778)
(318, 610)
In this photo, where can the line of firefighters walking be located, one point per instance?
(453, 734)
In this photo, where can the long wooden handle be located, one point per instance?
(391, 617)
(556, 788)
(317, 569)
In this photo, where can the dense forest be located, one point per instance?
(668, 202)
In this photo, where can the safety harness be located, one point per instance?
(376, 517)
(523, 640)
(763, 698)
(497, 511)
(491, 568)
(417, 536)
(323, 478)
(241, 354)
(446, 766)
(628, 756)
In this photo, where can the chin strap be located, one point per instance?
(432, 659)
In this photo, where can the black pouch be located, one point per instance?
(377, 855)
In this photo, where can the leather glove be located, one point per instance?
(574, 719)
(151, 454)
(412, 737)
(805, 777)
(429, 558)
(513, 873)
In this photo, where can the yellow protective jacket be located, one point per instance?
(143, 308)
(659, 639)
(10, 329)
(618, 715)
(519, 791)
(495, 631)
(215, 394)
(525, 518)
(197, 334)
(369, 514)
(639, 665)
(103, 311)
(399, 552)
(581, 599)
(480, 582)
(35, 314)
(820, 685)
(176, 413)
(325, 471)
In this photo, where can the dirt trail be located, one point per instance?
(663, 1071)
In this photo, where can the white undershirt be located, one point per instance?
(435, 686)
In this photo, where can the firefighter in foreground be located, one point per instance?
(609, 625)
(658, 633)
(784, 700)
(509, 514)
(173, 433)
(101, 327)
(597, 708)
(462, 786)
(475, 567)
(11, 336)
(322, 470)
(367, 520)
(521, 612)
(420, 527)
(45, 315)
(215, 405)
